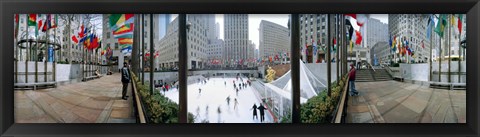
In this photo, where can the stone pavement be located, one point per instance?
(94, 101)
(399, 102)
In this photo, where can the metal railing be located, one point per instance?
(340, 113)
(139, 108)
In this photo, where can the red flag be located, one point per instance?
(334, 41)
(74, 38)
(44, 27)
(39, 24)
(81, 34)
(16, 18)
(460, 25)
(358, 40)
(352, 15)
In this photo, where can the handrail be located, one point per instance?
(341, 105)
(138, 102)
(371, 66)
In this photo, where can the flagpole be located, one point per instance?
(36, 52)
(143, 48)
(329, 69)
(53, 50)
(459, 48)
(431, 48)
(336, 49)
(449, 49)
(27, 17)
(46, 53)
(440, 59)
(151, 52)
(17, 21)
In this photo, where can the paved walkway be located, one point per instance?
(397, 102)
(94, 101)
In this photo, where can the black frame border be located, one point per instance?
(10, 7)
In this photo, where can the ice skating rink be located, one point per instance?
(214, 94)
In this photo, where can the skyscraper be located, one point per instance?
(236, 37)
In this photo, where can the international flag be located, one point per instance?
(430, 25)
(423, 46)
(350, 30)
(123, 41)
(119, 20)
(460, 23)
(361, 18)
(74, 38)
(124, 35)
(17, 18)
(357, 38)
(40, 24)
(32, 19)
(442, 23)
(52, 21)
(124, 29)
(394, 44)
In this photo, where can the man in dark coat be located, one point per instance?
(254, 111)
(261, 108)
(125, 80)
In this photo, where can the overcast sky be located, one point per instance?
(281, 19)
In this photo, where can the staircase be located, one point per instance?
(381, 75)
(368, 75)
(364, 75)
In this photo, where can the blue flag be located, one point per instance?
(430, 26)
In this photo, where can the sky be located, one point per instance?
(281, 19)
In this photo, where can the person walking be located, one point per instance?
(351, 80)
(261, 108)
(254, 111)
(235, 104)
(125, 80)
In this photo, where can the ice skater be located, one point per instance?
(261, 108)
(235, 104)
(225, 82)
(199, 90)
(254, 111)
(228, 101)
(237, 92)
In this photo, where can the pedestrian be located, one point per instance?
(351, 80)
(254, 111)
(199, 90)
(228, 101)
(240, 85)
(225, 82)
(237, 91)
(166, 86)
(235, 104)
(261, 108)
(125, 80)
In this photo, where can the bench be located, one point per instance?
(90, 78)
(458, 86)
(450, 86)
(398, 78)
(35, 85)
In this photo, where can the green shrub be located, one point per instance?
(159, 109)
(320, 108)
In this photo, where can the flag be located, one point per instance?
(118, 20)
(362, 19)
(81, 33)
(430, 24)
(352, 15)
(39, 24)
(32, 19)
(74, 38)
(357, 38)
(52, 21)
(124, 35)
(459, 24)
(124, 29)
(17, 19)
(122, 41)
(350, 30)
(394, 44)
(442, 22)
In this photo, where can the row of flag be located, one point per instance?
(36, 20)
(122, 26)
